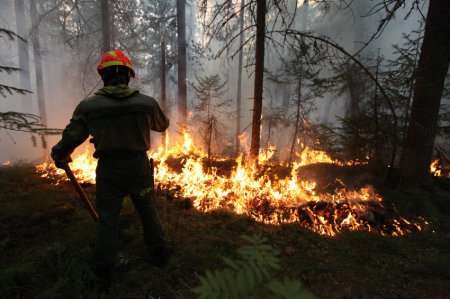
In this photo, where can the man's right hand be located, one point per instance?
(61, 161)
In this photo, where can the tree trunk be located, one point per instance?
(23, 53)
(182, 89)
(163, 84)
(304, 25)
(376, 134)
(269, 124)
(210, 131)
(430, 76)
(106, 25)
(406, 112)
(305, 15)
(259, 77)
(326, 112)
(353, 112)
(38, 67)
(354, 87)
(297, 121)
(239, 80)
(210, 126)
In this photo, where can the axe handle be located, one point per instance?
(88, 205)
(152, 173)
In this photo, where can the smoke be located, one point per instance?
(62, 84)
(69, 73)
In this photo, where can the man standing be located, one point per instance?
(119, 119)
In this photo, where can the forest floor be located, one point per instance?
(46, 243)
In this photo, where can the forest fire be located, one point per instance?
(252, 191)
(298, 149)
(437, 170)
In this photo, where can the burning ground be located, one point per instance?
(272, 192)
(46, 242)
(336, 232)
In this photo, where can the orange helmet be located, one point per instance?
(115, 57)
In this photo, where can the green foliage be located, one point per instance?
(70, 271)
(25, 122)
(13, 278)
(18, 121)
(67, 272)
(158, 20)
(209, 90)
(4, 89)
(250, 275)
(32, 250)
(11, 90)
(7, 89)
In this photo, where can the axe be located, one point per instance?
(87, 204)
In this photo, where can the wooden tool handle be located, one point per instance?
(87, 203)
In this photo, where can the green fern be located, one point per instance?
(250, 275)
(288, 289)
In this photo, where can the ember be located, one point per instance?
(250, 190)
(438, 170)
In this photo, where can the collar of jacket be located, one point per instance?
(117, 91)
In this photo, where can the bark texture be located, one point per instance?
(182, 69)
(24, 56)
(163, 75)
(259, 77)
(106, 25)
(163, 84)
(38, 68)
(239, 80)
(38, 63)
(430, 76)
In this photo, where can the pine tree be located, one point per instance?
(259, 77)
(182, 60)
(209, 91)
(431, 73)
(18, 121)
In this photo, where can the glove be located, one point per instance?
(61, 161)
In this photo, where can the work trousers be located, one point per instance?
(116, 178)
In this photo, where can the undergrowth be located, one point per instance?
(251, 274)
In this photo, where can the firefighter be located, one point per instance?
(119, 119)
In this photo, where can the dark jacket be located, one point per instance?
(117, 117)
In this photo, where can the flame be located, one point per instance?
(83, 166)
(436, 169)
(311, 156)
(244, 142)
(250, 190)
(6, 163)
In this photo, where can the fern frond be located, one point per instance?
(289, 289)
(250, 275)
